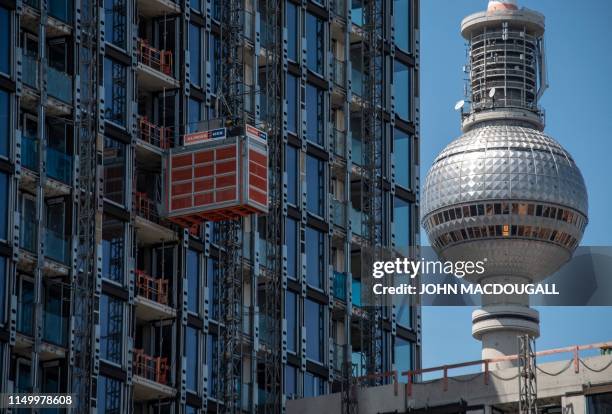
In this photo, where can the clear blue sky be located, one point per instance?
(579, 115)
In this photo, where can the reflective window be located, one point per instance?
(195, 54)
(292, 167)
(291, 317)
(357, 12)
(404, 310)
(189, 409)
(4, 205)
(193, 281)
(403, 158)
(600, 403)
(109, 395)
(114, 170)
(315, 116)
(212, 360)
(314, 257)
(115, 12)
(401, 13)
(5, 122)
(115, 91)
(292, 31)
(403, 355)
(315, 185)
(214, 57)
(313, 385)
(314, 43)
(5, 42)
(291, 381)
(111, 329)
(401, 88)
(212, 282)
(196, 4)
(194, 115)
(56, 311)
(191, 355)
(113, 242)
(25, 312)
(313, 320)
(401, 225)
(291, 240)
(292, 103)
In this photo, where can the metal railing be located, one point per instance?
(160, 60)
(29, 71)
(56, 247)
(149, 367)
(59, 85)
(29, 153)
(152, 288)
(155, 135)
(339, 286)
(145, 207)
(59, 165)
(485, 363)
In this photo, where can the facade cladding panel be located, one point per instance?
(161, 294)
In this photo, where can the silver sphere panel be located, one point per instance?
(504, 162)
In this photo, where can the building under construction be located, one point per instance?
(505, 192)
(193, 194)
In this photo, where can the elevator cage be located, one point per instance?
(217, 179)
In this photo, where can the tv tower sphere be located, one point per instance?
(504, 190)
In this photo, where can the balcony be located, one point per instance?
(151, 377)
(152, 298)
(57, 247)
(29, 71)
(154, 68)
(357, 150)
(29, 153)
(59, 165)
(339, 286)
(59, 85)
(152, 288)
(151, 227)
(160, 137)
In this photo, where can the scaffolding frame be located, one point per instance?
(528, 384)
(84, 358)
(231, 231)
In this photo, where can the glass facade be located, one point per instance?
(115, 18)
(315, 115)
(162, 299)
(115, 89)
(315, 330)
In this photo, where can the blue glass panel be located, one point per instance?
(59, 165)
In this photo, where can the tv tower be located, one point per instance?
(504, 190)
